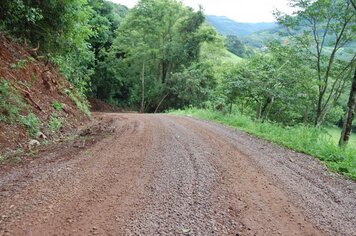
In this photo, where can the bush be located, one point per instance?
(31, 124)
(57, 106)
(10, 103)
(79, 100)
(55, 123)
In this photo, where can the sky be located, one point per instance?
(238, 10)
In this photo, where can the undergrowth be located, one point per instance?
(57, 106)
(11, 103)
(79, 101)
(309, 140)
(31, 123)
(55, 123)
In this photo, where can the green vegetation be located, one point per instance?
(79, 101)
(237, 47)
(57, 106)
(309, 140)
(55, 123)
(226, 26)
(31, 124)
(10, 103)
(20, 64)
(334, 134)
(162, 55)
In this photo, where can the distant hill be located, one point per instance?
(256, 35)
(226, 26)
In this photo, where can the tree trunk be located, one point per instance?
(318, 111)
(306, 112)
(160, 102)
(230, 109)
(142, 110)
(264, 108)
(268, 108)
(259, 111)
(350, 114)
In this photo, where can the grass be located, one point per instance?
(55, 123)
(79, 101)
(334, 134)
(11, 103)
(320, 143)
(230, 57)
(31, 123)
(11, 106)
(57, 106)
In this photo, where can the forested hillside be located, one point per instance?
(163, 55)
(226, 26)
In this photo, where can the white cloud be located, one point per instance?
(239, 10)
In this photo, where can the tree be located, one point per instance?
(322, 28)
(59, 28)
(165, 36)
(236, 46)
(350, 114)
(105, 21)
(273, 84)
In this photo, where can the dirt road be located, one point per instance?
(168, 175)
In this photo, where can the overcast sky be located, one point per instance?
(238, 10)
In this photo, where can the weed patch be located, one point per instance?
(57, 106)
(31, 124)
(55, 123)
(10, 103)
(79, 101)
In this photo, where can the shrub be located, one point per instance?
(55, 123)
(79, 100)
(57, 106)
(31, 124)
(10, 103)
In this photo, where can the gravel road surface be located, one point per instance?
(170, 175)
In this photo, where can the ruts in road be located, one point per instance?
(171, 175)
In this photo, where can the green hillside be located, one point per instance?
(226, 26)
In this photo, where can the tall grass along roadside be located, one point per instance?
(317, 142)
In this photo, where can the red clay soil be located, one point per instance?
(39, 85)
(168, 175)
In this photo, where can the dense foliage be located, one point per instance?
(237, 47)
(156, 50)
(161, 55)
(58, 29)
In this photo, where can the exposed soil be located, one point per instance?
(39, 85)
(168, 175)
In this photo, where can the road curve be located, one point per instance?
(169, 175)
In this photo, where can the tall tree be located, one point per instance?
(105, 21)
(166, 36)
(60, 28)
(350, 114)
(322, 28)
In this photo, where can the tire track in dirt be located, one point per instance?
(91, 193)
(168, 175)
(327, 200)
(180, 199)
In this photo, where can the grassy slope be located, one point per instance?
(218, 54)
(230, 57)
(334, 134)
(312, 141)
